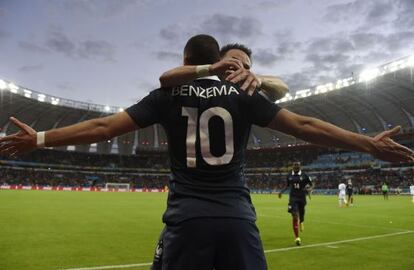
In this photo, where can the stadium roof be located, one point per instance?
(373, 101)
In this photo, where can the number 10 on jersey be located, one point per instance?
(203, 130)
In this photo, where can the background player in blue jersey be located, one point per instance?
(210, 219)
(349, 193)
(300, 186)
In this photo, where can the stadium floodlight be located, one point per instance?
(339, 84)
(320, 89)
(27, 93)
(410, 61)
(302, 93)
(287, 97)
(284, 99)
(41, 97)
(13, 88)
(345, 82)
(107, 108)
(324, 88)
(3, 85)
(396, 65)
(369, 74)
(330, 86)
(55, 101)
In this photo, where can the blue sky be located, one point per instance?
(113, 51)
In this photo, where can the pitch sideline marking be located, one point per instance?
(344, 224)
(266, 251)
(339, 242)
(112, 266)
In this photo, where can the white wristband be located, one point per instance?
(203, 70)
(40, 139)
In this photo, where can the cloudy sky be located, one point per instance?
(113, 51)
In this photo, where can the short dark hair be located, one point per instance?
(235, 46)
(202, 49)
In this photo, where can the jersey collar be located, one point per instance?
(214, 78)
(299, 172)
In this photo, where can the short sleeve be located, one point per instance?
(148, 110)
(261, 110)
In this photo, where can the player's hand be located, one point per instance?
(388, 150)
(21, 142)
(248, 80)
(222, 67)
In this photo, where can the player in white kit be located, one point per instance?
(342, 194)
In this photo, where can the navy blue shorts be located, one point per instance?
(296, 206)
(213, 243)
(157, 261)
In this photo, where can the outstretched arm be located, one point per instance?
(322, 133)
(94, 130)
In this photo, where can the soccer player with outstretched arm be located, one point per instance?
(239, 55)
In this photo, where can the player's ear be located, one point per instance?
(185, 58)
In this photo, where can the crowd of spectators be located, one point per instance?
(254, 158)
(365, 181)
(35, 177)
(141, 160)
(267, 170)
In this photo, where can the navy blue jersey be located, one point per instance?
(207, 124)
(297, 183)
(349, 189)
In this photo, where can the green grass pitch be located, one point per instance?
(62, 230)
